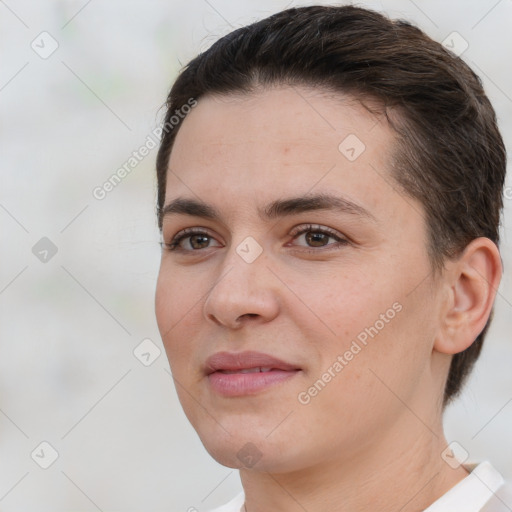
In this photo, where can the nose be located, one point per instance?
(243, 293)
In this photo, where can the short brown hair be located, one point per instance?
(449, 153)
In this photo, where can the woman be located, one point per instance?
(329, 192)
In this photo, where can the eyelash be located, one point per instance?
(173, 246)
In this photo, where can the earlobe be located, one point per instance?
(473, 280)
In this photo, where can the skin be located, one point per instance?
(376, 426)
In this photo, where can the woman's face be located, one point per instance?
(333, 295)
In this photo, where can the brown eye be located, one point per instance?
(199, 241)
(317, 239)
(311, 237)
(191, 240)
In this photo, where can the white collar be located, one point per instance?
(471, 493)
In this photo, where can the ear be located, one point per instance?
(472, 281)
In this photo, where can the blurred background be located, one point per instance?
(89, 419)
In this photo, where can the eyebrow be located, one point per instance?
(274, 210)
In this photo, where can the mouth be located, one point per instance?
(247, 370)
(246, 373)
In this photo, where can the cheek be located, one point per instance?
(373, 363)
(165, 301)
(372, 320)
(177, 292)
(341, 304)
(175, 306)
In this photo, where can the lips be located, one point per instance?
(246, 373)
(236, 361)
(246, 370)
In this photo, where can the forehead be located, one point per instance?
(281, 115)
(282, 142)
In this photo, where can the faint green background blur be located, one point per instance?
(70, 321)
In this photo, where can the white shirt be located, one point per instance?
(483, 490)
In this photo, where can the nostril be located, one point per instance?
(248, 315)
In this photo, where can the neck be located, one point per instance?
(396, 472)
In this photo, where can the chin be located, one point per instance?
(250, 451)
